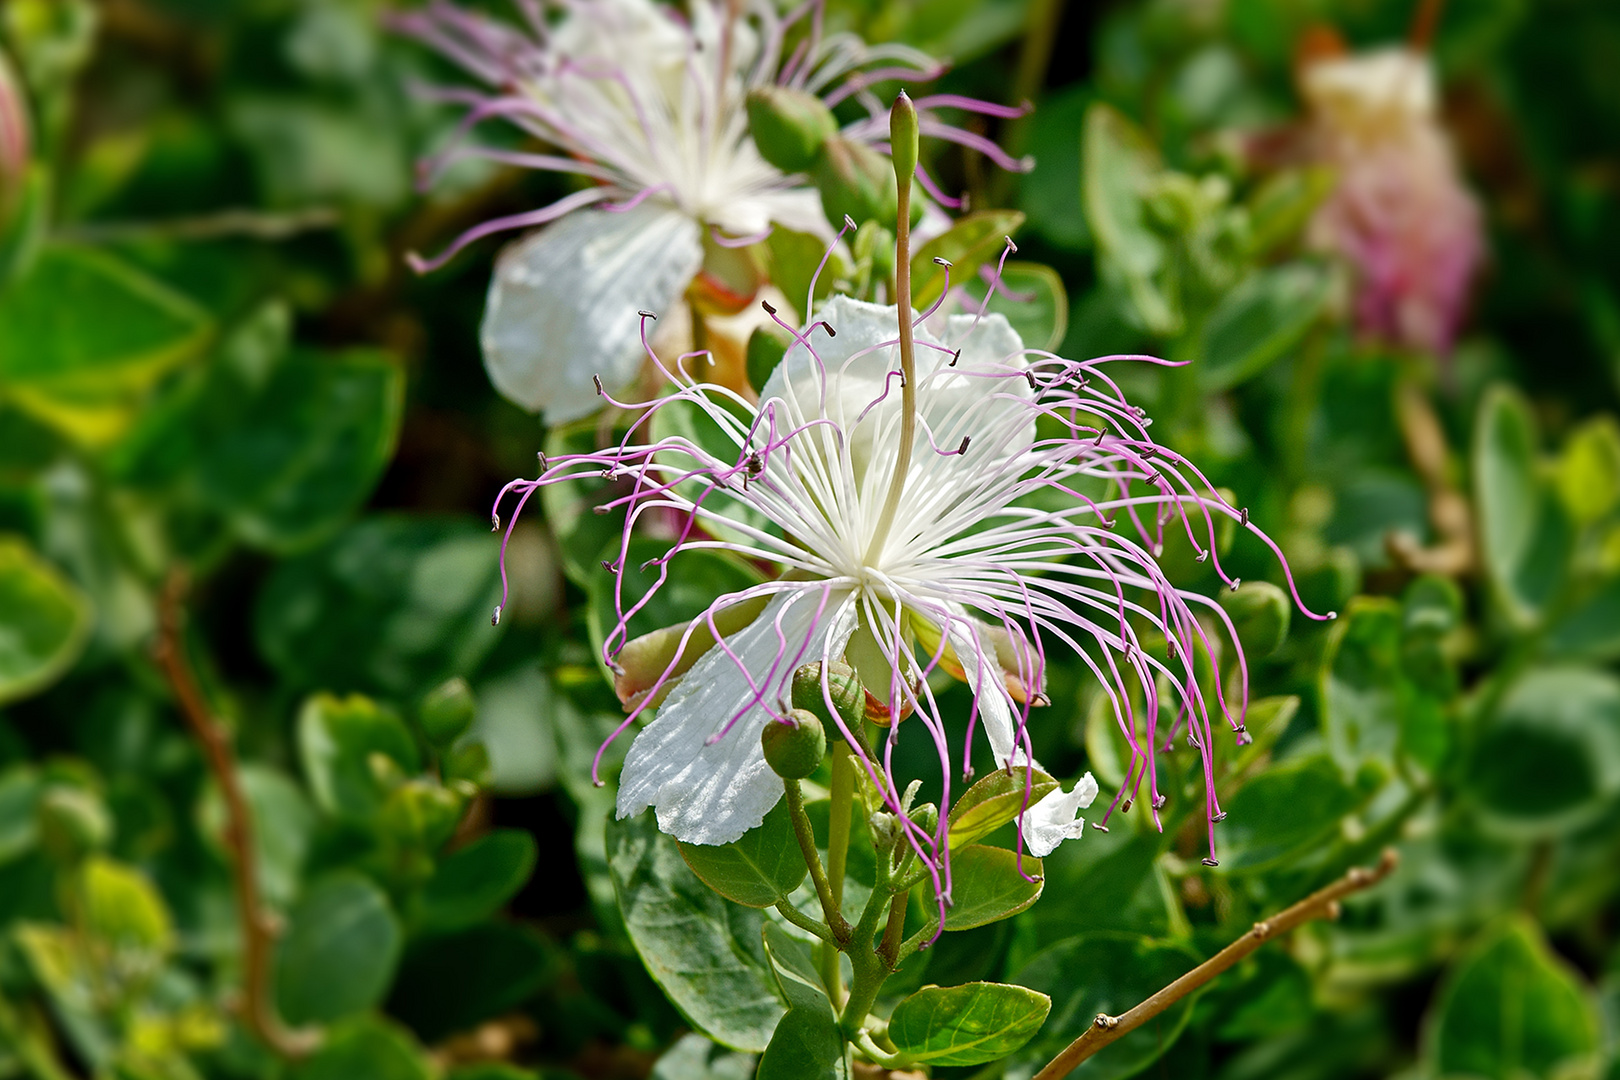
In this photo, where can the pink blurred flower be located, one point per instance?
(1399, 212)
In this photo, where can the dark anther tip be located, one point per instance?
(645, 314)
(1211, 862)
(766, 304)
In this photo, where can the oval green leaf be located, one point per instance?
(967, 1025)
(987, 886)
(994, 801)
(340, 950)
(476, 882)
(44, 625)
(764, 866)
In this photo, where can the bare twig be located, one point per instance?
(1323, 903)
(258, 1008)
(1449, 513)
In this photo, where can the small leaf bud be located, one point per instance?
(794, 748)
(789, 126)
(447, 712)
(903, 138)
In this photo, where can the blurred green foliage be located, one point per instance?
(212, 360)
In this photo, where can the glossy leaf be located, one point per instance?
(1589, 470)
(339, 952)
(337, 739)
(966, 1025)
(759, 869)
(1522, 533)
(1106, 973)
(44, 621)
(995, 801)
(391, 605)
(705, 952)
(1284, 810)
(1550, 753)
(83, 336)
(365, 1047)
(476, 881)
(1116, 163)
(806, 1044)
(989, 884)
(1033, 299)
(1510, 1009)
(974, 240)
(1256, 323)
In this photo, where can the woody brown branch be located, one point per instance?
(1321, 904)
(258, 1010)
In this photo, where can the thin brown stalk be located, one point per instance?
(1322, 904)
(258, 1008)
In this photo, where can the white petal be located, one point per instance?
(1053, 820)
(562, 304)
(712, 794)
(984, 679)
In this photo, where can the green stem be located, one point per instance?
(839, 813)
(889, 949)
(805, 922)
(812, 859)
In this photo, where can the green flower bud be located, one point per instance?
(903, 138)
(469, 763)
(794, 749)
(926, 817)
(789, 126)
(422, 814)
(1260, 611)
(73, 823)
(856, 182)
(848, 696)
(447, 712)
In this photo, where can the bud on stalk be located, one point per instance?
(789, 126)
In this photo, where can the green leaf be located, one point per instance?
(1509, 1009)
(83, 336)
(1592, 629)
(1256, 323)
(1050, 193)
(123, 909)
(987, 886)
(694, 1057)
(994, 801)
(1522, 534)
(339, 952)
(1549, 756)
(44, 623)
(1033, 299)
(972, 241)
(967, 1025)
(476, 882)
(1589, 470)
(704, 951)
(19, 823)
(794, 258)
(1106, 973)
(1117, 161)
(493, 968)
(392, 605)
(806, 1044)
(336, 741)
(759, 869)
(1284, 811)
(364, 1047)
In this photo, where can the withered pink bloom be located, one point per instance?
(647, 102)
(1030, 519)
(1399, 212)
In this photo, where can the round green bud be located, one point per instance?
(73, 822)
(848, 696)
(789, 126)
(794, 748)
(855, 181)
(447, 712)
(903, 138)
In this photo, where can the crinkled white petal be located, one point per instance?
(562, 304)
(958, 399)
(713, 793)
(996, 715)
(1054, 819)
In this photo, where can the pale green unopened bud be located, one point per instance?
(1260, 611)
(789, 126)
(848, 696)
(72, 823)
(794, 748)
(903, 138)
(855, 182)
(926, 817)
(422, 814)
(447, 712)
